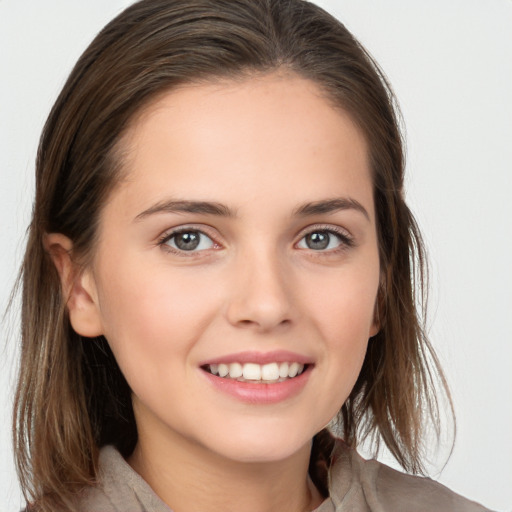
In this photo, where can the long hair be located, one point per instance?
(71, 397)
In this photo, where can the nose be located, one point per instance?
(261, 297)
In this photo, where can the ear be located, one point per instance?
(77, 285)
(375, 327)
(379, 310)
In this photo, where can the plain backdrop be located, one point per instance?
(450, 63)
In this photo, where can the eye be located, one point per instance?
(324, 240)
(188, 241)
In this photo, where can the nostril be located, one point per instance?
(254, 323)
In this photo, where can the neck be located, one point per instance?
(188, 477)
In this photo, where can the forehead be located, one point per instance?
(276, 131)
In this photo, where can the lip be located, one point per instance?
(262, 394)
(276, 356)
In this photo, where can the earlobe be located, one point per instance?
(375, 327)
(379, 311)
(77, 285)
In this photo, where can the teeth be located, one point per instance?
(223, 370)
(293, 370)
(252, 371)
(235, 370)
(271, 372)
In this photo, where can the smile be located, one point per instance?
(260, 378)
(256, 373)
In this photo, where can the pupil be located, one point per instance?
(187, 241)
(317, 240)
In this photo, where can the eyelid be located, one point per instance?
(171, 232)
(346, 238)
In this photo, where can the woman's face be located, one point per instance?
(241, 240)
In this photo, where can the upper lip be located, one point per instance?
(276, 356)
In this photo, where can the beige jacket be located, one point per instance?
(355, 485)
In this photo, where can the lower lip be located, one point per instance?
(252, 393)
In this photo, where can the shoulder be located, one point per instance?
(370, 486)
(397, 489)
(119, 489)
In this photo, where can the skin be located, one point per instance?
(262, 147)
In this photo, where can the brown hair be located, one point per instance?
(71, 397)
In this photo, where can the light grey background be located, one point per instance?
(450, 63)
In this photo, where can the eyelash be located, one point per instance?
(345, 239)
(168, 236)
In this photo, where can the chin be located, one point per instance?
(261, 445)
(258, 454)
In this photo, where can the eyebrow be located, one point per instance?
(331, 206)
(219, 209)
(204, 207)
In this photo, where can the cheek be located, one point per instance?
(344, 304)
(343, 310)
(153, 316)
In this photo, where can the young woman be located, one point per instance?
(218, 286)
